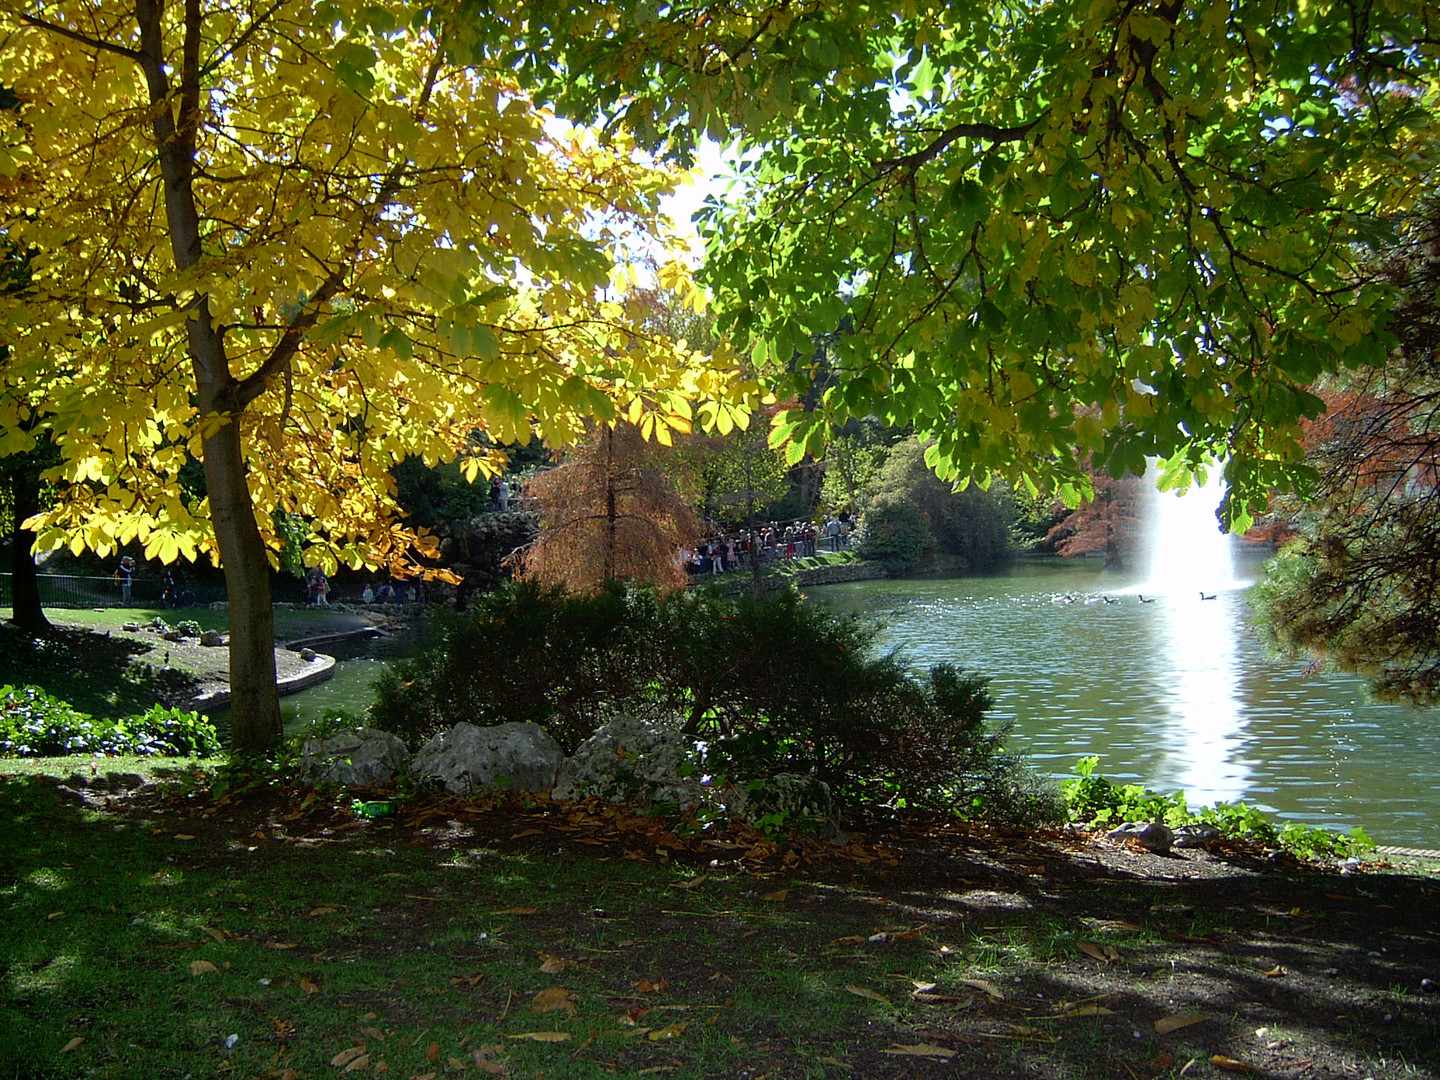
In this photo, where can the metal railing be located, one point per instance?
(74, 591)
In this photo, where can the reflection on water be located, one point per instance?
(1175, 693)
(1196, 656)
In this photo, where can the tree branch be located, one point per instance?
(990, 132)
(74, 35)
(244, 38)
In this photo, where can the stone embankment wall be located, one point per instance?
(740, 581)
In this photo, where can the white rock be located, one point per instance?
(630, 759)
(520, 757)
(365, 757)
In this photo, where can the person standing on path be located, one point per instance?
(123, 574)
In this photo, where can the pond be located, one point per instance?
(358, 663)
(1173, 692)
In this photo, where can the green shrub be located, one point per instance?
(770, 685)
(897, 535)
(34, 724)
(1092, 799)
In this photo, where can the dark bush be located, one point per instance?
(772, 685)
(525, 653)
(897, 535)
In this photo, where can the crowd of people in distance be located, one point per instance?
(390, 590)
(769, 544)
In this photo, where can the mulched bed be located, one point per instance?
(1298, 970)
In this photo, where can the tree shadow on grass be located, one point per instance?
(96, 673)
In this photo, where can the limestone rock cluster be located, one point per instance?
(625, 760)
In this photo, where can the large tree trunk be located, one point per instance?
(255, 702)
(255, 722)
(25, 609)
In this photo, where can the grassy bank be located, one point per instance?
(162, 933)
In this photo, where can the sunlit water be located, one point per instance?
(1175, 693)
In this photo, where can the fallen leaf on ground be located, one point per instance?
(661, 1034)
(183, 836)
(693, 883)
(72, 1044)
(467, 980)
(359, 1064)
(1105, 953)
(432, 1053)
(346, 1056)
(552, 999)
(852, 939)
(1276, 972)
(860, 991)
(202, 967)
(1229, 1064)
(544, 1036)
(1085, 1010)
(326, 909)
(279, 944)
(777, 896)
(984, 985)
(929, 1050)
(1167, 1024)
(553, 965)
(836, 1062)
(494, 1068)
(645, 986)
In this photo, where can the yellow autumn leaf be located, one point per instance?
(348, 1055)
(1229, 1064)
(552, 999)
(860, 991)
(202, 967)
(984, 985)
(926, 1050)
(1085, 1010)
(543, 1036)
(1166, 1024)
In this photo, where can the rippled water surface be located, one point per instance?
(1175, 694)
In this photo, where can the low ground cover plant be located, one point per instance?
(35, 724)
(1093, 800)
(766, 685)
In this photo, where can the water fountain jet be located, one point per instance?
(1187, 553)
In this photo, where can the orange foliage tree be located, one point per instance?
(609, 512)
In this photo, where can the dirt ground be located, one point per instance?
(1293, 969)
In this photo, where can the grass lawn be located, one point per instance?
(165, 933)
(102, 669)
